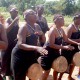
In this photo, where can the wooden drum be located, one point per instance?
(60, 64)
(76, 59)
(34, 72)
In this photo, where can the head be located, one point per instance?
(2, 19)
(76, 19)
(58, 20)
(14, 12)
(40, 9)
(30, 16)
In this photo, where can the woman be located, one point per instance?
(73, 33)
(11, 30)
(3, 37)
(41, 20)
(24, 54)
(57, 37)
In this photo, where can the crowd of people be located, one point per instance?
(21, 46)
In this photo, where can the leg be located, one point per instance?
(71, 68)
(7, 77)
(55, 74)
(60, 77)
(44, 75)
(78, 76)
(1, 77)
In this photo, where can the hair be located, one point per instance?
(56, 16)
(39, 6)
(13, 9)
(76, 16)
(27, 12)
(2, 20)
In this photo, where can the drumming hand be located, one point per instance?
(69, 47)
(39, 33)
(42, 51)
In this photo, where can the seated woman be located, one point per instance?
(3, 38)
(24, 53)
(73, 33)
(57, 37)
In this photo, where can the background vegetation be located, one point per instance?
(66, 7)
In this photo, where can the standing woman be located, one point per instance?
(73, 33)
(41, 20)
(3, 38)
(23, 55)
(11, 30)
(57, 37)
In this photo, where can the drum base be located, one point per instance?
(35, 72)
(60, 64)
(76, 59)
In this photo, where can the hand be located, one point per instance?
(39, 33)
(42, 51)
(68, 47)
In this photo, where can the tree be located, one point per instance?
(70, 7)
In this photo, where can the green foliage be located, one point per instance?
(66, 7)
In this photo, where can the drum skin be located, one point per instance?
(34, 72)
(76, 59)
(60, 64)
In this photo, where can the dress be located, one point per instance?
(46, 60)
(69, 54)
(21, 60)
(6, 55)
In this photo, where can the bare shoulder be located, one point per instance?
(52, 30)
(8, 20)
(70, 27)
(37, 26)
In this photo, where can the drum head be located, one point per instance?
(76, 59)
(60, 64)
(34, 72)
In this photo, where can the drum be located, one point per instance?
(76, 59)
(35, 72)
(60, 64)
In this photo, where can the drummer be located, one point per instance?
(55, 43)
(73, 33)
(23, 54)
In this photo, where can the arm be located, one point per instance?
(45, 21)
(69, 33)
(3, 41)
(69, 40)
(22, 33)
(52, 40)
(22, 39)
(10, 24)
(42, 36)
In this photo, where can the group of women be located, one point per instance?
(22, 46)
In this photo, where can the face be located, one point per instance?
(60, 21)
(14, 13)
(40, 10)
(32, 17)
(77, 21)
